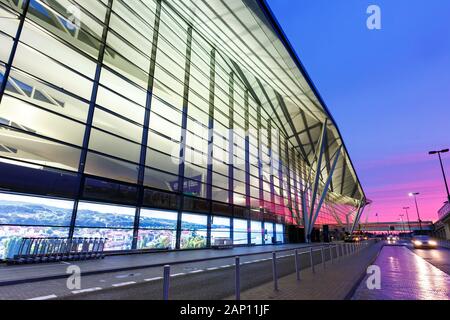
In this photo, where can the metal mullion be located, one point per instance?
(90, 118)
(12, 54)
(231, 150)
(295, 173)
(272, 181)
(260, 162)
(288, 171)
(183, 132)
(212, 84)
(247, 163)
(144, 140)
(262, 206)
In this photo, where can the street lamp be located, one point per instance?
(407, 217)
(403, 222)
(415, 194)
(442, 167)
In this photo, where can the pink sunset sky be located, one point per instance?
(388, 181)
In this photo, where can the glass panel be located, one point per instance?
(156, 239)
(104, 216)
(26, 210)
(268, 232)
(10, 237)
(280, 233)
(32, 62)
(158, 219)
(118, 239)
(40, 93)
(112, 145)
(256, 232)
(25, 147)
(21, 115)
(220, 228)
(102, 166)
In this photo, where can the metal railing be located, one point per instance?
(335, 251)
(41, 250)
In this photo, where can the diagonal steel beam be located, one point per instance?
(358, 215)
(325, 189)
(315, 186)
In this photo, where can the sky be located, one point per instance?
(388, 90)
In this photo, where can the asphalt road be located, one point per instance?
(440, 257)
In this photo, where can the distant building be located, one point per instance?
(442, 226)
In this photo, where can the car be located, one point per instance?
(424, 242)
(353, 238)
(392, 239)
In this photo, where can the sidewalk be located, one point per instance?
(336, 282)
(10, 275)
(406, 276)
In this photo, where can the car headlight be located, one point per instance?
(418, 243)
(432, 243)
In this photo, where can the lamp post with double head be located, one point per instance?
(442, 168)
(407, 218)
(415, 194)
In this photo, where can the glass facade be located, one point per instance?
(126, 120)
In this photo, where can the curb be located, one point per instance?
(352, 291)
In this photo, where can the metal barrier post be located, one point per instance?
(331, 253)
(312, 260)
(323, 258)
(297, 264)
(166, 282)
(274, 269)
(238, 278)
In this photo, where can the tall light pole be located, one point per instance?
(403, 222)
(407, 217)
(442, 167)
(415, 194)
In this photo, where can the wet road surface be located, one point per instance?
(406, 276)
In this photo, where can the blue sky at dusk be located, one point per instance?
(388, 90)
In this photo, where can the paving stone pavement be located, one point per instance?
(335, 282)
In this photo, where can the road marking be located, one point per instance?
(122, 284)
(86, 290)
(197, 271)
(212, 268)
(153, 279)
(178, 274)
(45, 297)
(227, 266)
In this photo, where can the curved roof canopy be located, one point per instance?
(263, 58)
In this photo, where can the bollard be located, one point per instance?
(323, 258)
(297, 265)
(238, 278)
(274, 269)
(331, 254)
(166, 282)
(312, 260)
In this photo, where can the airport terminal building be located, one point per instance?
(163, 124)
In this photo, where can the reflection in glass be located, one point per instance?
(10, 236)
(104, 216)
(32, 211)
(118, 239)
